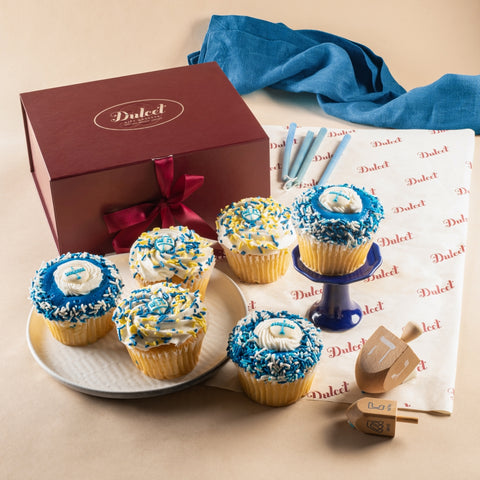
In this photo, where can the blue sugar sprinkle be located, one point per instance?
(268, 364)
(339, 228)
(53, 304)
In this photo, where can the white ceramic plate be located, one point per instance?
(105, 369)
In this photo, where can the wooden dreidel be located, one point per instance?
(385, 360)
(376, 416)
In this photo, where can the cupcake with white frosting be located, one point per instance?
(76, 294)
(335, 226)
(163, 327)
(175, 254)
(257, 237)
(276, 354)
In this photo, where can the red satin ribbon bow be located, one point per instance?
(130, 222)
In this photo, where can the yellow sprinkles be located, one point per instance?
(187, 254)
(254, 224)
(182, 315)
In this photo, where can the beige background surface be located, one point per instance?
(50, 431)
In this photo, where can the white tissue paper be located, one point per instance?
(422, 179)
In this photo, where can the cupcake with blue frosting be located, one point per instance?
(276, 354)
(257, 237)
(162, 327)
(176, 254)
(76, 294)
(335, 226)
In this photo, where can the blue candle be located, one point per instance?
(288, 150)
(334, 160)
(309, 156)
(301, 155)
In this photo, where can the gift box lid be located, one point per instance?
(115, 122)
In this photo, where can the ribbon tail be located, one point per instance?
(120, 219)
(124, 238)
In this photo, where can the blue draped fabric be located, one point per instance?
(348, 79)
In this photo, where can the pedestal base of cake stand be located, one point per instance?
(336, 310)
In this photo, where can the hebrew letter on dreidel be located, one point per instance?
(388, 343)
(385, 360)
(376, 416)
(405, 366)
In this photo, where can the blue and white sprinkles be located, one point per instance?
(255, 225)
(352, 227)
(163, 313)
(51, 302)
(250, 353)
(162, 253)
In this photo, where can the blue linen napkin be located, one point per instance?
(349, 80)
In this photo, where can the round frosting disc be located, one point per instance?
(77, 277)
(165, 243)
(280, 334)
(158, 305)
(341, 200)
(251, 214)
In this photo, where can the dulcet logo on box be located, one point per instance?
(139, 114)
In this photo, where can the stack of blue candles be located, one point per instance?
(293, 174)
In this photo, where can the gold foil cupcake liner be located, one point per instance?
(273, 393)
(78, 334)
(262, 268)
(168, 361)
(331, 259)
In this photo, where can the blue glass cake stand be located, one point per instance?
(336, 310)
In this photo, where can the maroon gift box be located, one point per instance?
(92, 145)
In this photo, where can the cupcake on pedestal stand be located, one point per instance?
(336, 310)
(335, 225)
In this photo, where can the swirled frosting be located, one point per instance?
(163, 253)
(278, 334)
(77, 277)
(341, 200)
(75, 287)
(340, 214)
(255, 225)
(163, 313)
(275, 346)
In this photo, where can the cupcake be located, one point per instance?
(176, 254)
(76, 294)
(335, 226)
(275, 354)
(257, 237)
(162, 327)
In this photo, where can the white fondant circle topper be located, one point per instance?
(341, 200)
(280, 334)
